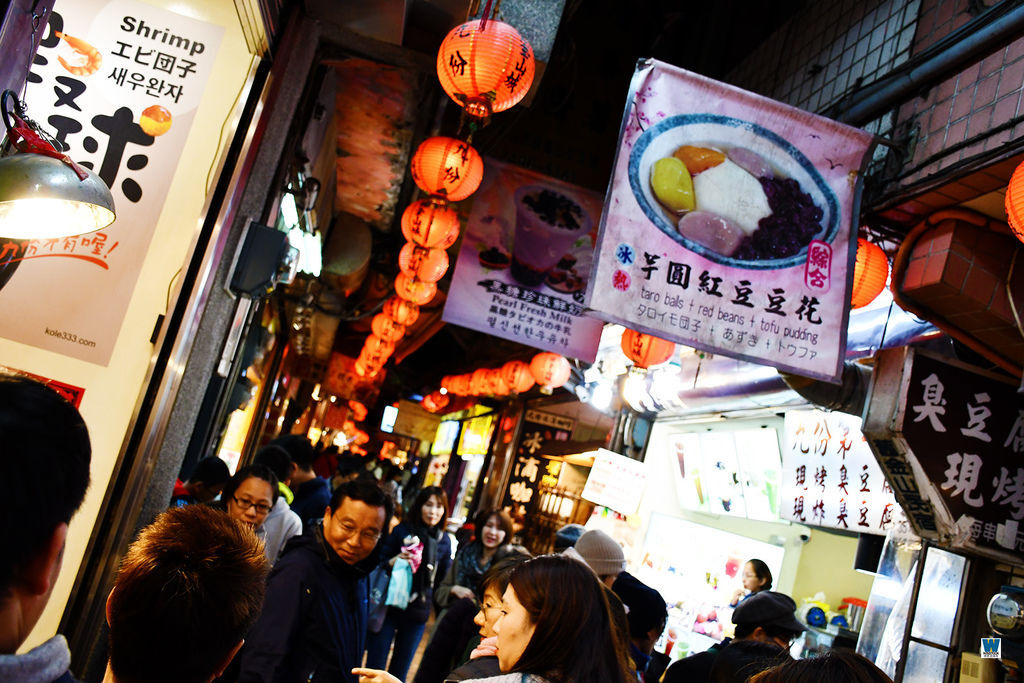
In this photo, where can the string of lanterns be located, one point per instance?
(485, 66)
(547, 370)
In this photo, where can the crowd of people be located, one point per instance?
(281, 573)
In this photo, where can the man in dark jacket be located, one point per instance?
(312, 493)
(44, 465)
(313, 625)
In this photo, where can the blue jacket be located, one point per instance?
(311, 498)
(427, 578)
(313, 624)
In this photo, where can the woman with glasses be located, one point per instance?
(425, 525)
(546, 639)
(249, 496)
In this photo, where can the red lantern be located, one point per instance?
(550, 370)
(386, 328)
(646, 350)
(435, 402)
(366, 369)
(478, 382)
(517, 376)
(496, 385)
(430, 223)
(401, 311)
(428, 265)
(869, 273)
(448, 167)
(414, 291)
(374, 347)
(460, 385)
(359, 411)
(1015, 203)
(485, 66)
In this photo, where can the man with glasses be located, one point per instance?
(313, 625)
(765, 626)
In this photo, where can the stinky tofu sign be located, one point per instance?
(830, 477)
(951, 438)
(118, 84)
(727, 223)
(524, 262)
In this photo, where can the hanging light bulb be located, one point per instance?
(413, 290)
(430, 223)
(428, 265)
(485, 66)
(43, 193)
(869, 273)
(447, 167)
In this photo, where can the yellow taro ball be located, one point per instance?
(672, 184)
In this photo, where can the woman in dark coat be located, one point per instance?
(425, 523)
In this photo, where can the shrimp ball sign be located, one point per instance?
(162, 35)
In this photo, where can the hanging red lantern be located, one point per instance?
(496, 385)
(646, 350)
(446, 383)
(435, 402)
(869, 273)
(478, 382)
(517, 376)
(549, 370)
(413, 290)
(386, 328)
(359, 410)
(401, 311)
(366, 369)
(485, 66)
(428, 265)
(459, 385)
(447, 167)
(431, 223)
(1015, 203)
(374, 347)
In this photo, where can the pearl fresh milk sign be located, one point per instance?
(727, 223)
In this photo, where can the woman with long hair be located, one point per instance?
(425, 524)
(493, 532)
(555, 627)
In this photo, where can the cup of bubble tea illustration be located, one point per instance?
(548, 223)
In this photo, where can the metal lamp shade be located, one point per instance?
(42, 198)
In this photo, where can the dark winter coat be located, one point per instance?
(313, 624)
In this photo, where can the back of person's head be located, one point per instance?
(44, 467)
(497, 575)
(744, 658)
(366, 491)
(574, 638)
(646, 608)
(259, 472)
(189, 589)
(276, 458)
(567, 536)
(602, 553)
(836, 666)
(504, 521)
(415, 514)
(299, 448)
(212, 471)
(770, 611)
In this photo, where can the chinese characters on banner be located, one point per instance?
(965, 429)
(531, 468)
(524, 262)
(727, 223)
(615, 482)
(830, 477)
(118, 83)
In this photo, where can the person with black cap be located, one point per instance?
(767, 617)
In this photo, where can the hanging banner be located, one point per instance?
(951, 438)
(118, 84)
(530, 468)
(830, 477)
(727, 223)
(524, 262)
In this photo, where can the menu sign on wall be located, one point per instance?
(524, 262)
(954, 450)
(830, 477)
(727, 223)
(530, 468)
(117, 83)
